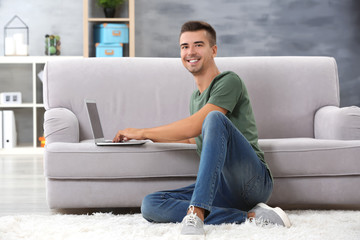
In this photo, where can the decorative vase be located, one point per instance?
(52, 45)
(109, 12)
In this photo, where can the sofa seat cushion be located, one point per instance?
(85, 160)
(308, 157)
(292, 157)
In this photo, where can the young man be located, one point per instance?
(233, 178)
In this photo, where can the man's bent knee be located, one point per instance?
(213, 116)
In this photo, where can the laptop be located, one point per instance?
(98, 134)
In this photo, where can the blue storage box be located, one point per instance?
(109, 49)
(111, 33)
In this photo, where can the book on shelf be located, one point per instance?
(1, 130)
(8, 136)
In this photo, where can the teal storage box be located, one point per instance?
(109, 50)
(111, 33)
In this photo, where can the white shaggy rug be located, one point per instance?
(307, 225)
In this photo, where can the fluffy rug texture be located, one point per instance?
(307, 225)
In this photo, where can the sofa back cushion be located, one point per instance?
(145, 92)
(141, 92)
(286, 92)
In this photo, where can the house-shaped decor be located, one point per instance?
(16, 38)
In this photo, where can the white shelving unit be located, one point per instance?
(32, 110)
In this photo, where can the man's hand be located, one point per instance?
(128, 134)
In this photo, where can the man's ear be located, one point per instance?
(214, 49)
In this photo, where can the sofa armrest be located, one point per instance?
(337, 123)
(61, 125)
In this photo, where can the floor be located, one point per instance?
(22, 188)
(22, 185)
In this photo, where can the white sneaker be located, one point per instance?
(192, 227)
(265, 215)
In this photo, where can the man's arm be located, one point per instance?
(185, 129)
(188, 141)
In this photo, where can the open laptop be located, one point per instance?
(98, 134)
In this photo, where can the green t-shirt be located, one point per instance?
(228, 91)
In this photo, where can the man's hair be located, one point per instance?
(192, 26)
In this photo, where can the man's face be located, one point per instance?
(196, 52)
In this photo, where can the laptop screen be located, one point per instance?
(94, 119)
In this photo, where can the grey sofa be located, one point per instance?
(311, 144)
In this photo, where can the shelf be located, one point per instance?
(23, 105)
(32, 59)
(39, 105)
(109, 19)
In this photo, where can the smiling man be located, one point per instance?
(233, 178)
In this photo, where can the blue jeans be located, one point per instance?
(231, 179)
